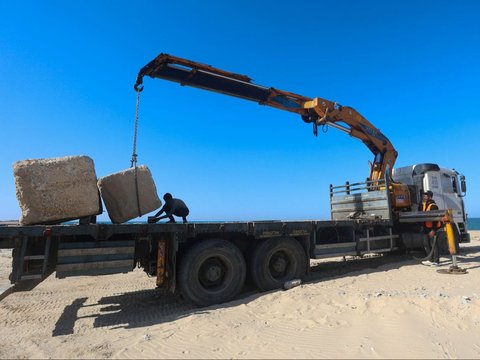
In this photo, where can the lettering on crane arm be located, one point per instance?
(375, 133)
(282, 100)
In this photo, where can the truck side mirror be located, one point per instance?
(463, 184)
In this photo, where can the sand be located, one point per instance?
(382, 307)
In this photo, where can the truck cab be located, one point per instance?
(448, 187)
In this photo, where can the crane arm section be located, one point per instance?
(312, 110)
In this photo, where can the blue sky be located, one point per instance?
(411, 67)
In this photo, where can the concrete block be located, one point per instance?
(119, 193)
(56, 189)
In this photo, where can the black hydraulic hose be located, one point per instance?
(431, 251)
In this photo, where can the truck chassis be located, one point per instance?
(210, 262)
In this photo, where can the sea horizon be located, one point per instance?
(473, 223)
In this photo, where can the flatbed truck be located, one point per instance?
(210, 262)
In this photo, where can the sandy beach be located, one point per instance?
(380, 307)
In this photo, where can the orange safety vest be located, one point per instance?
(429, 224)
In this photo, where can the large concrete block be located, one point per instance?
(119, 193)
(55, 189)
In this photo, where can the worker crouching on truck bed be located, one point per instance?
(172, 207)
(430, 228)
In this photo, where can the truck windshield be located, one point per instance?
(447, 183)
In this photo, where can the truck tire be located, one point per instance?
(275, 261)
(212, 272)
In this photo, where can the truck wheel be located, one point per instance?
(212, 272)
(275, 261)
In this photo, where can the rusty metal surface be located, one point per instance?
(161, 262)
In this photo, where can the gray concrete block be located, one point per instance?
(55, 189)
(119, 193)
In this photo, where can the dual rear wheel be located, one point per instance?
(214, 271)
(276, 261)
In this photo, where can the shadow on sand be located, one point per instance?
(153, 306)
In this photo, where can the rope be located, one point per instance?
(133, 161)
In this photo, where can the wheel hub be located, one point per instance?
(212, 273)
(278, 264)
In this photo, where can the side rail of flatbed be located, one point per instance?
(369, 200)
(366, 207)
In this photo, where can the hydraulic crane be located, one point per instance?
(317, 111)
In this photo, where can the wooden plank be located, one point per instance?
(93, 272)
(97, 244)
(93, 258)
(31, 277)
(95, 265)
(34, 257)
(96, 251)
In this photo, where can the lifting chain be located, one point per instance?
(133, 161)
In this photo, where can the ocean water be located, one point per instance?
(473, 224)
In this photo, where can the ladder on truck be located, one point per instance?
(30, 260)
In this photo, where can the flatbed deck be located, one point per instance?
(11, 232)
(220, 253)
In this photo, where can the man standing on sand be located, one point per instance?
(172, 207)
(430, 229)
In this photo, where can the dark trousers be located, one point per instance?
(428, 244)
(183, 213)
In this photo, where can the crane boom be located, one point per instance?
(312, 110)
